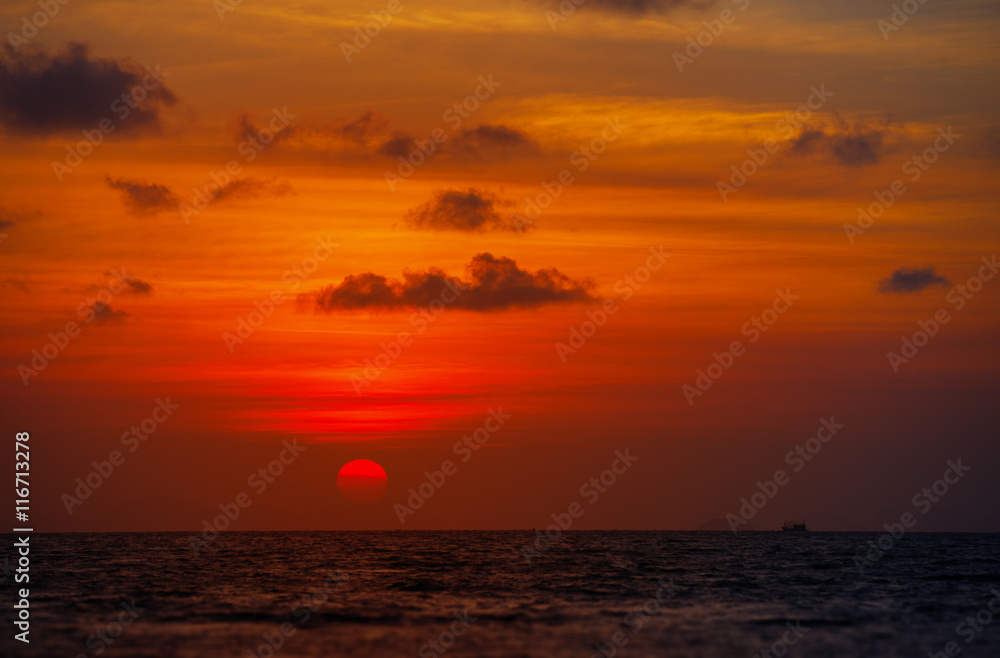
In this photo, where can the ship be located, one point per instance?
(794, 526)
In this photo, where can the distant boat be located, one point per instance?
(794, 526)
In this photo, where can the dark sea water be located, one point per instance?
(392, 593)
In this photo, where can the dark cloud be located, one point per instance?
(134, 286)
(454, 210)
(253, 188)
(245, 128)
(492, 284)
(400, 144)
(9, 218)
(906, 280)
(143, 198)
(808, 140)
(19, 281)
(492, 140)
(363, 128)
(857, 149)
(851, 146)
(129, 284)
(43, 94)
(248, 131)
(104, 314)
(365, 135)
(372, 135)
(631, 7)
(486, 141)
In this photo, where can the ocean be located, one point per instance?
(468, 593)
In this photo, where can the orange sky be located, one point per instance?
(603, 80)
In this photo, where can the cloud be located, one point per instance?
(129, 284)
(399, 145)
(454, 210)
(19, 281)
(849, 146)
(906, 280)
(372, 135)
(135, 286)
(490, 141)
(8, 218)
(143, 199)
(484, 142)
(365, 136)
(248, 133)
(104, 314)
(361, 129)
(493, 284)
(43, 94)
(253, 188)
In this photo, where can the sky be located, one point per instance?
(668, 243)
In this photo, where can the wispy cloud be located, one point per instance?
(104, 314)
(850, 146)
(143, 199)
(254, 188)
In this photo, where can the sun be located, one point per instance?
(362, 481)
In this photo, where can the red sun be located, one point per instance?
(362, 481)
